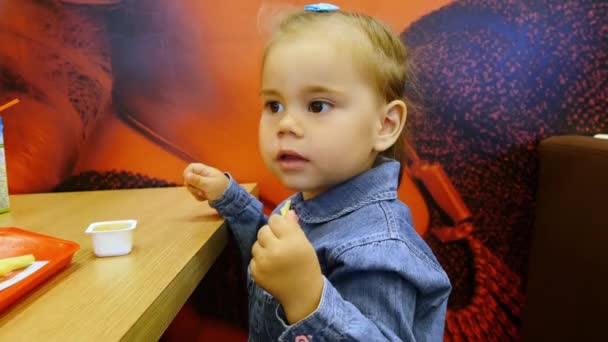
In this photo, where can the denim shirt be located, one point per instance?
(381, 280)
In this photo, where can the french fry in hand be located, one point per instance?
(8, 265)
(285, 208)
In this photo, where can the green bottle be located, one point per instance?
(4, 204)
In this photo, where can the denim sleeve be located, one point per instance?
(244, 215)
(372, 297)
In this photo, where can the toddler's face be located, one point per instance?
(320, 118)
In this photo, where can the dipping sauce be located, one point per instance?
(111, 226)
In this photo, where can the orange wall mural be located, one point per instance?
(173, 82)
(124, 93)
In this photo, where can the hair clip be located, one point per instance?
(321, 7)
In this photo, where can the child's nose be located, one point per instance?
(288, 125)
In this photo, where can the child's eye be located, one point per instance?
(319, 106)
(274, 106)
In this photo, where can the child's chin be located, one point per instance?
(308, 189)
(295, 183)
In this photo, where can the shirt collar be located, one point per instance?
(377, 184)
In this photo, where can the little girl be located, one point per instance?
(345, 262)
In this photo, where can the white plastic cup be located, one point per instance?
(112, 238)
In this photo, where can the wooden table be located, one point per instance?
(131, 298)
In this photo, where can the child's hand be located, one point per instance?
(285, 264)
(205, 182)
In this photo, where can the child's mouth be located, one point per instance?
(291, 161)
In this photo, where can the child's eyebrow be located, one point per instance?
(316, 89)
(269, 92)
(313, 89)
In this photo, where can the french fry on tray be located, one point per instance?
(8, 265)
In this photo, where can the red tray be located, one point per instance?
(15, 242)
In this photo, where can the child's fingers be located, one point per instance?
(188, 169)
(199, 169)
(204, 170)
(254, 269)
(196, 192)
(282, 226)
(293, 216)
(265, 236)
(196, 181)
(256, 250)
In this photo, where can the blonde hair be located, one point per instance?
(384, 58)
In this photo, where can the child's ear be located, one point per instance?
(392, 122)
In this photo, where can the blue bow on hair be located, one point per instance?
(321, 7)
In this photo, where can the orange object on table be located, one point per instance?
(57, 252)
